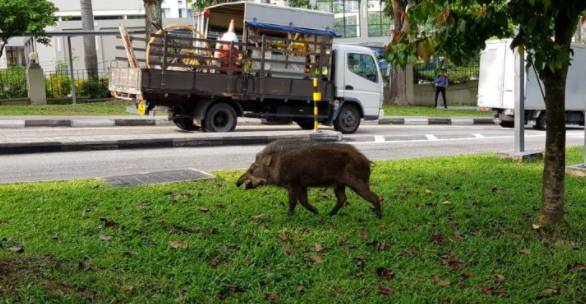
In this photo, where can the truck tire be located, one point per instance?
(540, 123)
(220, 117)
(507, 123)
(348, 119)
(186, 124)
(305, 124)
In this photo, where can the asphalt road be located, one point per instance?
(377, 142)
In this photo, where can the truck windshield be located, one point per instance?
(363, 65)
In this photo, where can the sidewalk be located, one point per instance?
(17, 122)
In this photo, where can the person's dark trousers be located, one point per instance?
(443, 91)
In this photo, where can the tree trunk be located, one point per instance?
(554, 81)
(552, 197)
(398, 92)
(398, 89)
(2, 45)
(153, 14)
(89, 42)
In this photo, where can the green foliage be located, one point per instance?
(432, 112)
(300, 3)
(458, 29)
(454, 230)
(57, 85)
(13, 83)
(25, 16)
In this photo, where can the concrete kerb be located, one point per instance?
(110, 122)
(153, 143)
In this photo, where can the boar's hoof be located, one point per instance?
(378, 212)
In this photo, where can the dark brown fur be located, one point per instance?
(299, 165)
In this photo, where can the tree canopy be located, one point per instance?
(20, 17)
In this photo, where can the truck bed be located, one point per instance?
(150, 84)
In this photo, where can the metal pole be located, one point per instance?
(520, 104)
(316, 99)
(73, 93)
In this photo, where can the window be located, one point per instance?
(379, 23)
(180, 13)
(363, 65)
(346, 15)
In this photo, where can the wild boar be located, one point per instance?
(297, 165)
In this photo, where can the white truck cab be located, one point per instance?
(358, 80)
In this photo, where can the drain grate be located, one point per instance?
(158, 177)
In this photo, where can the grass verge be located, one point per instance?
(432, 112)
(112, 107)
(454, 230)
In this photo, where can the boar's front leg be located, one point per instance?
(303, 199)
(293, 198)
(340, 191)
(363, 189)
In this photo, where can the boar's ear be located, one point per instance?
(267, 161)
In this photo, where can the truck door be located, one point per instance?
(362, 81)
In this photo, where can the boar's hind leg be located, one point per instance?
(341, 199)
(304, 202)
(293, 198)
(364, 190)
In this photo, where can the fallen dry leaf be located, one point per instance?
(341, 239)
(316, 258)
(335, 291)
(445, 203)
(318, 247)
(287, 250)
(360, 261)
(524, 251)
(491, 291)
(452, 263)
(300, 289)
(386, 291)
(16, 249)
(272, 297)
(204, 209)
(108, 223)
(284, 237)
(427, 191)
(548, 292)
(536, 226)
(105, 238)
(178, 245)
(363, 233)
(257, 217)
(380, 246)
(499, 279)
(439, 281)
(438, 238)
(384, 273)
(577, 267)
(126, 288)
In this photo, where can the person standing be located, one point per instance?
(441, 83)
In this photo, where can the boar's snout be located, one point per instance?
(241, 180)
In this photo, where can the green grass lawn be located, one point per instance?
(454, 230)
(429, 111)
(113, 107)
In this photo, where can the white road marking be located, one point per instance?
(431, 137)
(478, 136)
(379, 138)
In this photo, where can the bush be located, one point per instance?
(58, 85)
(92, 89)
(13, 83)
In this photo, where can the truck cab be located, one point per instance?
(358, 81)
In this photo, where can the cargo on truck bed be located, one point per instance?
(263, 65)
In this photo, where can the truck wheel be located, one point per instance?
(186, 124)
(540, 123)
(221, 117)
(507, 124)
(348, 119)
(305, 124)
